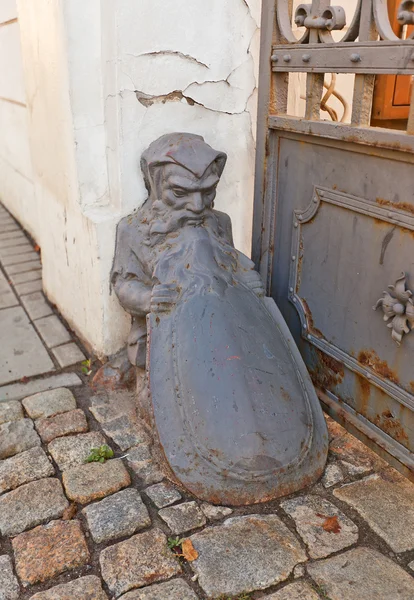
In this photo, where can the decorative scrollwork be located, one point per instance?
(398, 308)
(405, 14)
(324, 19)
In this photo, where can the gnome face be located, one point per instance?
(183, 192)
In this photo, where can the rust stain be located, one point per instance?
(411, 384)
(405, 206)
(285, 395)
(391, 425)
(369, 358)
(328, 373)
(309, 318)
(364, 392)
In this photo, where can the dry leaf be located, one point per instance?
(330, 524)
(188, 550)
(69, 512)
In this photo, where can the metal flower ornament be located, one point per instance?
(398, 308)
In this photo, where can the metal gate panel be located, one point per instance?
(334, 219)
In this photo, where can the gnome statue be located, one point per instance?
(234, 412)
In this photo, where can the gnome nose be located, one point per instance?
(196, 204)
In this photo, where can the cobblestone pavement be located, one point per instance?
(77, 530)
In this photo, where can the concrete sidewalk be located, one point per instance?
(78, 530)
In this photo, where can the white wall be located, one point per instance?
(16, 185)
(103, 80)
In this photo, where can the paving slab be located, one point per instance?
(49, 403)
(245, 554)
(19, 240)
(215, 513)
(84, 588)
(15, 250)
(10, 235)
(321, 525)
(17, 391)
(68, 355)
(300, 590)
(53, 332)
(30, 505)
(26, 277)
(10, 411)
(17, 436)
(9, 586)
(36, 304)
(66, 423)
(30, 265)
(177, 589)
(361, 574)
(29, 287)
(49, 550)
(163, 494)
(21, 258)
(94, 481)
(73, 450)
(23, 468)
(386, 502)
(183, 517)
(119, 515)
(354, 470)
(22, 353)
(142, 559)
(7, 296)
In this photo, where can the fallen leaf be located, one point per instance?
(188, 550)
(69, 512)
(330, 524)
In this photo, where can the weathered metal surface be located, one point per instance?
(236, 415)
(362, 57)
(334, 212)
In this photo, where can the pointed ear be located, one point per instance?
(221, 163)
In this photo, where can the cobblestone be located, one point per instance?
(48, 550)
(245, 554)
(33, 264)
(25, 277)
(183, 517)
(9, 586)
(50, 428)
(120, 515)
(30, 505)
(94, 481)
(136, 562)
(177, 589)
(386, 502)
(332, 475)
(214, 513)
(73, 450)
(17, 436)
(125, 433)
(295, 591)
(49, 403)
(23, 468)
(140, 461)
(321, 525)
(84, 588)
(10, 411)
(29, 287)
(68, 355)
(364, 574)
(163, 494)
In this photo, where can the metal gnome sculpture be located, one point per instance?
(232, 404)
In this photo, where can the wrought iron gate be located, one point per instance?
(334, 216)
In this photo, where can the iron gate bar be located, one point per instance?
(366, 58)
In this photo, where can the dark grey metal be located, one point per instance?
(235, 411)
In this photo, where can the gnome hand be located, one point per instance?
(164, 296)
